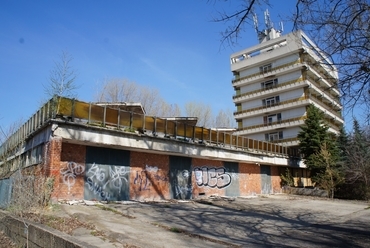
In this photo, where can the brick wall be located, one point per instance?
(249, 179)
(71, 172)
(53, 151)
(149, 177)
(275, 179)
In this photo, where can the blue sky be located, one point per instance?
(172, 46)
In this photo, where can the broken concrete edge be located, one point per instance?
(211, 197)
(26, 233)
(94, 203)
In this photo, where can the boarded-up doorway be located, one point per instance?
(266, 186)
(233, 171)
(107, 174)
(180, 177)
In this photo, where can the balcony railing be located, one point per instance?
(274, 69)
(74, 111)
(278, 86)
(325, 106)
(243, 56)
(268, 124)
(286, 140)
(272, 105)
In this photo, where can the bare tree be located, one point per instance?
(169, 110)
(150, 99)
(237, 20)
(225, 119)
(62, 78)
(117, 90)
(123, 90)
(200, 110)
(6, 132)
(341, 29)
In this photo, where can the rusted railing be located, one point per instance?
(107, 117)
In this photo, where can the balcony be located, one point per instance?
(287, 104)
(280, 87)
(292, 66)
(327, 107)
(275, 48)
(290, 141)
(320, 62)
(321, 79)
(264, 127)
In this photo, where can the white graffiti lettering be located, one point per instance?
(70, 173)
(183, 191)
(96, 172)
(149, 168)
(117, 176)
(97, 190)
(98, 179)
(212, 177)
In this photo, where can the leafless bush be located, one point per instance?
(30, 193)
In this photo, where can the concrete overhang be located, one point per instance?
(103, 137)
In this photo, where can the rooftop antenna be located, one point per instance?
(268, 22)
(268, 32)
(255, 21)
(281, 26)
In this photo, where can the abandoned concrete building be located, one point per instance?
(101, 152)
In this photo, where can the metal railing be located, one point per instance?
(297, 100)
(72, 110)
(269, 124)
(274, 69)
(278, 86)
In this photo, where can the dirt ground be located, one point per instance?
(263, 221)
(6, 242)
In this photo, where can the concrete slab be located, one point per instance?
(264, 221)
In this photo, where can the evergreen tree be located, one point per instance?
(312, 136)
(358, 162)
(331, 174)
(320, 151)
(342, 144)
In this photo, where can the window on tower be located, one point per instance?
(271, 101)
(269, 84)
(272, 119)
(265, 68)
(271, 137)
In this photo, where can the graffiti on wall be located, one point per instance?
(70, 172)
(101, 181)
(143, 178)
(214, 177)
(182, 184)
